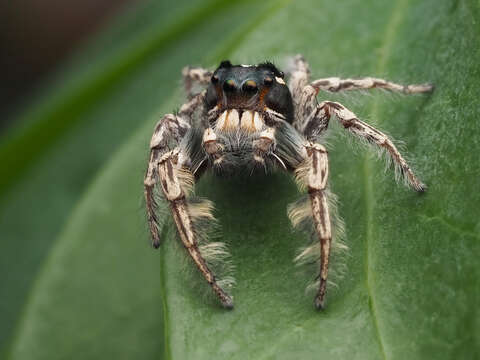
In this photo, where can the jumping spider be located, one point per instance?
(249, 118)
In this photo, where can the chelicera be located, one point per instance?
(248, 118)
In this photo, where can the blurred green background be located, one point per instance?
(78, 278)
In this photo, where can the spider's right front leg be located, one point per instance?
(168, 131)
(175, 180)
(170, 128)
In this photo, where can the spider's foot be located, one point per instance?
(223, 296)
(319, 302)
(420, 88)
(320, 298)
(227, 303)
(421, 188)
(416, 184)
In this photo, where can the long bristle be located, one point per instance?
(299, 211)
(186, 179)
(301, 174)
(201, 210)
(161, 214)
(215, 253)
(378, 152)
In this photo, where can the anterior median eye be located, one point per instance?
(249, 86)
(229, 85)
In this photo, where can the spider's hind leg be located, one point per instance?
(335, 84)
(303, 95)
(299, 75)
(194, 78)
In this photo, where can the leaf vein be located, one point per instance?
(391, 29)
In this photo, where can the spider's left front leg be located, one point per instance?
(319, 119)
(315, 177)
(312, 173)
(309, 161)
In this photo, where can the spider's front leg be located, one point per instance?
(309, 161)
(336, 84)
(320, 118)
(177, 180)
(304, 93)
(174, 171)
(168, 132)
(300, 74)
(314, 174)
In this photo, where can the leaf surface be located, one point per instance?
(410, 289)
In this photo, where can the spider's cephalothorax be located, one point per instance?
(249, 118)
(249, 88)
(243, 105)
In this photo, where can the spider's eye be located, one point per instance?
(250, 86)
(268, 81)
(282, 74)
(229, 85)
(215, 79)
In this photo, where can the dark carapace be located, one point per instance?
(249, 87)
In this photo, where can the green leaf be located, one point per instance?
(37, 201)
(410, 289)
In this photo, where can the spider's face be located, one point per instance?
(249, 87)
